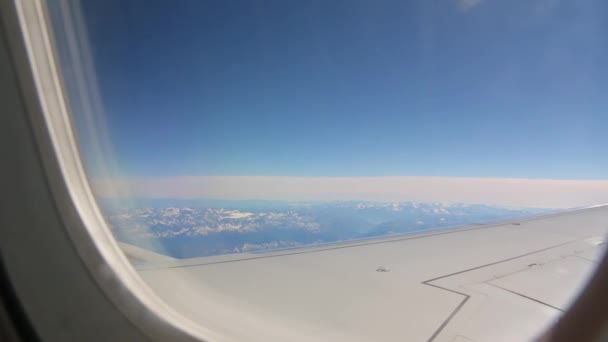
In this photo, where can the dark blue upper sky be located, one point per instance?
(354, 88)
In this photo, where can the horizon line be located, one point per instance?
(540, 193)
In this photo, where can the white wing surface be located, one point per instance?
(498, 282)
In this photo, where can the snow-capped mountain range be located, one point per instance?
(245, 227)
(171, 222)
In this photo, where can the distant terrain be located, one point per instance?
(186, 229)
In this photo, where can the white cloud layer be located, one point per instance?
(545, 193)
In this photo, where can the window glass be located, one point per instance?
(224, 129)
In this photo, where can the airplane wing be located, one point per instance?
(496, 282)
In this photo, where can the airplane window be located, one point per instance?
(265, 157)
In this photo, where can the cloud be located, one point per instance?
(466, 5)
(546, 193)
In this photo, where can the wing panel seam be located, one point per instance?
(466, 296)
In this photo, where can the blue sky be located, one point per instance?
(349, 88)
